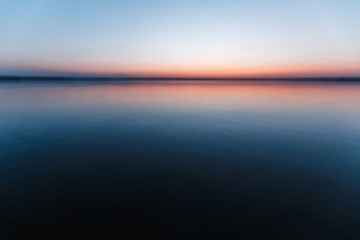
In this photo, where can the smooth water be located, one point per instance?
(179, 160)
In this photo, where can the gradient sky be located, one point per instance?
(226, 38)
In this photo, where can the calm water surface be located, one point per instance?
(180, 160)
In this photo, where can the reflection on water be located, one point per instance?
(181, 160)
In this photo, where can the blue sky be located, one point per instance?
(180, 38)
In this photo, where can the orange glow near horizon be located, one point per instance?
(188, 71)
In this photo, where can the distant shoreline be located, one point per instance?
(272, 79)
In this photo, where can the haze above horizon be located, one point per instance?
(185, 38)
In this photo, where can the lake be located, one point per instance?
(179, 160)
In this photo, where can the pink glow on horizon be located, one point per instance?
(187, 70)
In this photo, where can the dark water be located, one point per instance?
(179, 161)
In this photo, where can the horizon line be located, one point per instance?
(104, 77)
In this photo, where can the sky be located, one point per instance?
(180, 38)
